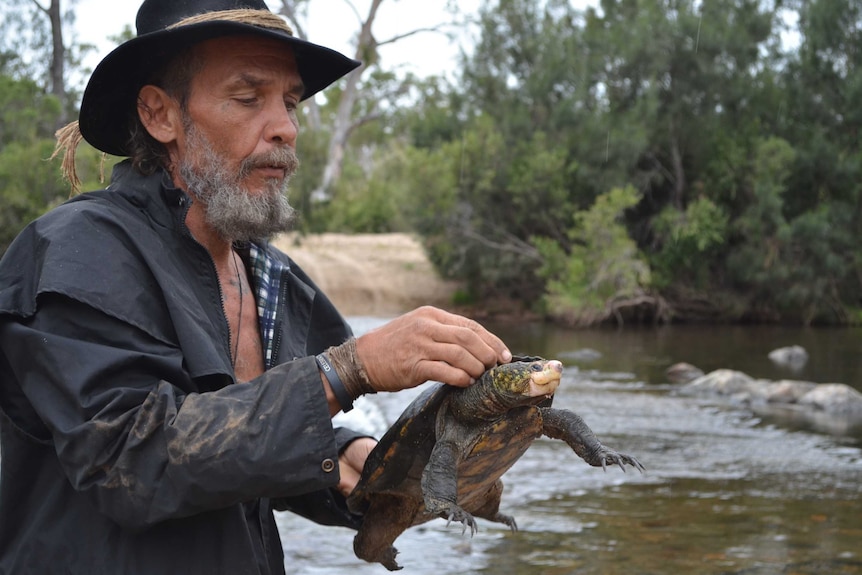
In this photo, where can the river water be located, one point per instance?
(726, 491)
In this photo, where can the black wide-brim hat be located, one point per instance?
(110, 98)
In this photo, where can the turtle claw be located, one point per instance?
(466, 519)
(507, 520)
(388, 560)
(455, 513)
(620, 460)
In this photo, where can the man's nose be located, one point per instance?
(283, 125)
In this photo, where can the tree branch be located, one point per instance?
(515, 245)
(40, 7)
(355, 10)
(412, 33)
(288, 11)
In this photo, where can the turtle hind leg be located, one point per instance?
(490, 507)
(386, 518)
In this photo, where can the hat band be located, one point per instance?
(258, 18)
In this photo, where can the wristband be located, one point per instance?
(346, 362)
(338, 389)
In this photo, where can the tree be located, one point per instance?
(352, 109)
(32, 34)
(822, 204)
(690, 103)
(604, 276)
(28, 184)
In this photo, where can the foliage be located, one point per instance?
(592, 164)
(686, 243)
(27, 184)
(604, 270)
(30, 183)
(480, 200)
(688, 103)
(26, 47)
(368, 202)
(790, 266)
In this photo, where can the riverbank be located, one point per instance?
(370, 274)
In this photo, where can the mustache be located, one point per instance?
(282, 157)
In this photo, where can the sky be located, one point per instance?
(333, 24)
(330, 23)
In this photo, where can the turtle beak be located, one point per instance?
(545, 382)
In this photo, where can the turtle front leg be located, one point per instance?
(440, 485)
(568, 426)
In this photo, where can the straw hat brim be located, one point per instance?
(110, 97)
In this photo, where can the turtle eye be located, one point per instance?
(536, 367)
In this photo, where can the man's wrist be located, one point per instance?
(351, 371)
(345, 400)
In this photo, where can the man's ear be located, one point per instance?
(159, 114)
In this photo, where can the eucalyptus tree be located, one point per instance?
(364, 95)
(38, 42)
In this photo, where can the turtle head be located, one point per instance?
(536, 378)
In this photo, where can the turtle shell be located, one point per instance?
(396, 464)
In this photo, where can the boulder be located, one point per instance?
(794, 356)
(834, 398)
(831, 407)
(725, 382)
(683, 373)
(786, 391)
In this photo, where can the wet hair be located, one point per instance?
(175, 78)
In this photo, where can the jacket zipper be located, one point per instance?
(279, 318)
(186, 232)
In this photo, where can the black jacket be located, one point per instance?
(127, 447)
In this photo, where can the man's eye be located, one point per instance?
(247, 101)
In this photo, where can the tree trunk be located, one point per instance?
(58, 61)
(366, 48)
(344, 122)
(290, 9)
(678, 169)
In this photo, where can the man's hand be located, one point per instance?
(429, 344)
(351, 462)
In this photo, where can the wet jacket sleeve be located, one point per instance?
(328, 506)
(130, 431)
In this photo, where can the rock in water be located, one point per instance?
(683, 373)
(794, 356)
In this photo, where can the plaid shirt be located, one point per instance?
(267, 273)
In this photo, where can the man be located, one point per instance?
(167, 378)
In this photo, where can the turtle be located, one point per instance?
(445, 455)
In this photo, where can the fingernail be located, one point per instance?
(507, 356)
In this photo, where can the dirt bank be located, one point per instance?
(370, 274)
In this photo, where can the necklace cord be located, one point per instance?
(239, 319)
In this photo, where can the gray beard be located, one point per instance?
(230, 210)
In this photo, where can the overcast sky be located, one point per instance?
(330, 23)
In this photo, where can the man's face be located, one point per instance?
(237, 149)
(232, 209)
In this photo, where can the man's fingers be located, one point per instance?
(349, 478)
(445, 373)
(428, 344)
(491, 351)
(351, 461)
